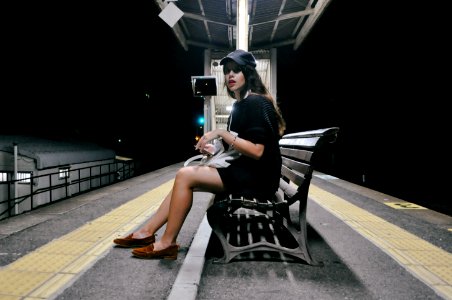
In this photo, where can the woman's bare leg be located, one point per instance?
(187, 179)
(156, 221)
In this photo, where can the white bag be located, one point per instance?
(220, 158)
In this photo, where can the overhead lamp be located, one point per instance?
(171, 14)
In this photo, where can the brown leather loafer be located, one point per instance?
(130, 242)
(148, 252)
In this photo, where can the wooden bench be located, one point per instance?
(247, 225)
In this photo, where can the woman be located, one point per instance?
(254, 129)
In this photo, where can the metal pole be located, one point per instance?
(16, 205)
(208, 101)
(206, 114)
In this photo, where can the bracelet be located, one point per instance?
(233, 141)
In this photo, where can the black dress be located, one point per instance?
(254, 119)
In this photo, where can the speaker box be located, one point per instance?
(204, 86)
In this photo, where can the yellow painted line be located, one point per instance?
(50, 268)
(404, 205)
(430, 264)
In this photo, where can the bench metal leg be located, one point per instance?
(230, 225)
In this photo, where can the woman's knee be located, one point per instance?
(185, 173)
(196, 176)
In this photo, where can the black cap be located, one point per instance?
(241, 57)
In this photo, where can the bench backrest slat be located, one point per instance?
(298, 179)
(313, 133)
(298, 154)
(298, 167)
(305, 142)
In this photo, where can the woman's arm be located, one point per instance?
(245, 147)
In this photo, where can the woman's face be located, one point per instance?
(234, 77)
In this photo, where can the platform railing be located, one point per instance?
(49, 188)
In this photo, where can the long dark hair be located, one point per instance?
(253, 83)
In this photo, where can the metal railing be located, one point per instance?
(51, 188)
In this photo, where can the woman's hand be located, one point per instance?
(208, 149)
(204, 145)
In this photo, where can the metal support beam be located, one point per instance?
(242, 25)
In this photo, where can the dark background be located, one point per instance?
(108, 71)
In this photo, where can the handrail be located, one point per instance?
(116, 171)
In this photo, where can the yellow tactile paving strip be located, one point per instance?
(45, 271)
(430, 264)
